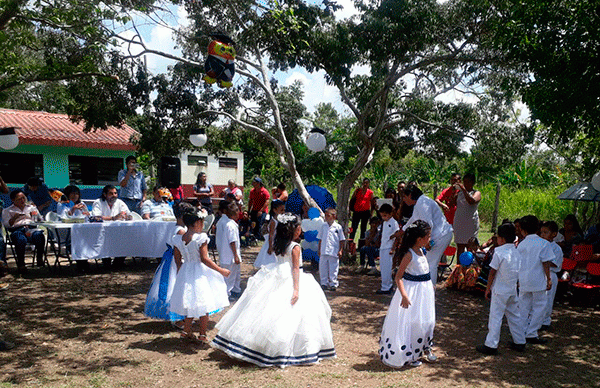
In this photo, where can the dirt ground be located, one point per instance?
(90, 331)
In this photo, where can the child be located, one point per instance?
(331, 244)
(548, 232)
(283, 316)
(407, 333)
(534, 278)
(371, 248)
(158, 298)
(502, 286)
(266, 256)
(245, 229)
(199, 288)
(228, 246)
(386, 251)
(464, 277)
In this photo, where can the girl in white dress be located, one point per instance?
(283, 316)
(266, 256)
(158, 299)
(407, 333)
(199, 287)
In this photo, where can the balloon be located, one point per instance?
(311, 235)
(219, 65)
(313, 246)
(313, 213)
(310, 255)
(466, 258)
(306, 225)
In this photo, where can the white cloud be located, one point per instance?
(316, 90)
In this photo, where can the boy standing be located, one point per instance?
(534, 278)
(548, 232)
(386, 251)
(228, 246)
(331, 246)
(502, 286)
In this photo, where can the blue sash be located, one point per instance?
(417, 278)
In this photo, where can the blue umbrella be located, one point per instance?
(320, 194)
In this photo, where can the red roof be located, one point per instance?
(51, 129)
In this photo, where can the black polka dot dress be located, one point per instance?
(407, 333)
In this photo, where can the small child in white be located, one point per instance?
(387, 249)
(548, 232)
(228, 246)
(502, 286)
(534, 278)
(331, 244)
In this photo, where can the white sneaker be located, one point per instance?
(416, 363)
(430, 357)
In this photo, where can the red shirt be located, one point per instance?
(448, 197)
(363, 200)
(258, 200)
(177, 193)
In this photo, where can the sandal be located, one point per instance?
(202, 338)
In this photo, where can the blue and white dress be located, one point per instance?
(264, 328)
(198, 289)
(158, 299)
(407, 333)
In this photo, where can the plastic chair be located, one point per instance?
(136, 217)
(442, 266)
(208, 222)
(52, 217)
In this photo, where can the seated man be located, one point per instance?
(39, 194)
(157, 206)
(111, 208)
(19, 220)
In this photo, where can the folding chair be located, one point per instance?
(29, 246)
(581, 252)
(568, 266)
(586, 292)
(443, 266)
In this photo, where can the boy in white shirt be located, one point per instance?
(534, 278)
(331, 246)
(502, 286)
(228, 245)
(387, 249)
(548, 232)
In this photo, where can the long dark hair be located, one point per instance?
(274, 205)
(416, 230)
(286, 227)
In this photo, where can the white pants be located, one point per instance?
(386, 262)
(551, 294)
(328, 270)
(234, 279)
(500, 306)
(435, 255)
(533, 305)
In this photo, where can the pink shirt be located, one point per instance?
(32, 215)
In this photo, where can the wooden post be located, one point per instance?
(496, 208)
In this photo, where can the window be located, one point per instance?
(91, 170)
(197, 160)
(17, 168)
(228, 162)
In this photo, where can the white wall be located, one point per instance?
(215, 175)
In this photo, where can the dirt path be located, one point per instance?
(90, 331)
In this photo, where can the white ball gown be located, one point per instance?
(407, 333)
(198, 290)
(264, 328)
(158, 299)
(264, 258)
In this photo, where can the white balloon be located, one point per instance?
(596, 181)
(316, 142)
(306, 225)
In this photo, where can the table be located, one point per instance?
(97, 240)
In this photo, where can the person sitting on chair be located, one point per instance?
(157, 206)
(39, 194)
(19, 220)
(74, 208)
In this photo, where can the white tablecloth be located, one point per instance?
(120, 238)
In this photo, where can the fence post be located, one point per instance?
(496, 208)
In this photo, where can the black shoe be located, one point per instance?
(486, 350)
(324, 288)
(544, 328)
(383, 292)
(516, 347)
(332, 288)
(536, 340)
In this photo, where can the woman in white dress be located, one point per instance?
(283, 316)
(466, 217)
(407, 334)
(266, 255)
(158, 299)
(199, 288)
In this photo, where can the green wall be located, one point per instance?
(56, 161)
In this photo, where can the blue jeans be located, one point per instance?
(371, 253)
(133, 204)
(20, 239)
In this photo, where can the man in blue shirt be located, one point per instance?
(133, 185)
(38, 193)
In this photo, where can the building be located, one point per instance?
(219, 170)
